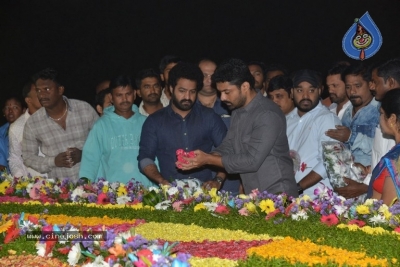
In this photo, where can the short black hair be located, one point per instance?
(188, 71)
(146, 73)
(358, 69)
(27, 88)
(280, 82)
(390, 69)
(234, 71)
(258, 63)
(121, 80)
(168, 59)
(100, 96)
(48, 74)
(338, 68)
(276, 67)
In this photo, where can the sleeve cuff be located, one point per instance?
(146, 162)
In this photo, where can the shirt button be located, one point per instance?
(187, 148)
(183, 120)
(184, 133)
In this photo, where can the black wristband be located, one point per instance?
(299, 189)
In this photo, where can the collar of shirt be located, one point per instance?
(252, 104)
(69, 106)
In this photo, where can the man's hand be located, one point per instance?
(352, 189)
(211, 184)
(63, 160)
(199, 160)
(341, 133)
(75, 154)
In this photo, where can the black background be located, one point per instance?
(88, 41)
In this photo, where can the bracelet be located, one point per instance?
(218, 179)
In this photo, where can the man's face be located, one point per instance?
(122, 98)
(208, 68)
(380, 86)
(358, 90)
(48, 92)
(231, 95)
(337, 89)
(258, 75)
(150, 90)
(167, 69)
(12, 110)
(282, 99)
(271, 74)
(184, 94)
(306, 96)
(33, 97)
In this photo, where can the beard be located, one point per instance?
(306, 105)
(184, 104)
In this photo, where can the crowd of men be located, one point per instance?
(241, 122)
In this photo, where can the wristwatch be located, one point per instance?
(218, 179)
(299, 189)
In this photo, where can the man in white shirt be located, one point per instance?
(16, 131)
(148, 84)
(337, 89)
(307, 130)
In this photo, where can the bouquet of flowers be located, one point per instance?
(339, 163)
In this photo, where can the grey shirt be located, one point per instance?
(42, 132)
(257, 148)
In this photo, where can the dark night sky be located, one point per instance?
(87, 41)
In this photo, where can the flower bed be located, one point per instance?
(216, 229)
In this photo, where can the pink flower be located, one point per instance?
(397, 229)
(35, 191)
(244, 212)
(222, 209)
(10, 190)
(357, 222)
(303, 166)
(330, 219)
(102, 198)
(177, 206)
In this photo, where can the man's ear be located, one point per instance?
(171, 89)
(134, 94)
(391, 82)
(245, 87)
(138, 93)
(162, 77)
(99, 109)
(61, 90)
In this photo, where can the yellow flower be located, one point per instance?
(251, 207)
(199, 206)
(306, 198)
(214, 196)
(243, 196)
(362, 209)
(3, 186)
(122, 191)
(22, 185)
(105, 189)
(267, 206)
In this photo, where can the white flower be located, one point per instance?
(123, 199)
(377, 219)
(369, 202)
(180, 183)
(123, 235)
(339, 209)
(56, 188)
(29, 187)
(41, 248)
(98, 262)
(172, 191)
(211, 206)
(114, 185)
(301, 215)
(155, 189)
(163, 205)
(77, 192)
(74, 254)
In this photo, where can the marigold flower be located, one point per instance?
(267, 206)
(362, 209)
